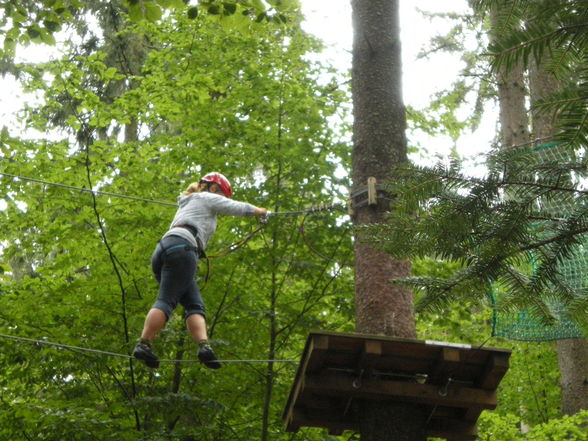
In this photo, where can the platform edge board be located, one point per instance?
(399, 391)
(494, 371)
(466, 347)
(406, 340)
(304, 359)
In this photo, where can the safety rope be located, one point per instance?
(87, 190)
(126, 356)
(236, 245)
(312, 249)
(172, 204)
(333, 207)
(338, 207)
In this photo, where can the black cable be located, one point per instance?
(87, 190)
(114, 354)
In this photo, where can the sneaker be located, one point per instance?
(207, 356)
(144, 352)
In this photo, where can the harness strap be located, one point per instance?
(175, 247)
(192, 229)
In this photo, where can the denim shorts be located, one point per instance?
(174, 264)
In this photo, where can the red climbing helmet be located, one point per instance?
(219, 179)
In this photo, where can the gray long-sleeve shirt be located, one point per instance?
(200, 210)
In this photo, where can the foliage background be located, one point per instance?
(142, 108)
(202, 96)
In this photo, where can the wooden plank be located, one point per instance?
(313, 357)
(450, 355)
(292, 401)
(445, 364)
(412, 349)
(370, 355)
(397, 364)
(317, 352)
(446, 412)
(494, 371)
(407, 354)
(339, 337)
(310, 400)
(472, 413)
(342, 385)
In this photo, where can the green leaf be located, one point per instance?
(4, 268)
(19, 18)
(153, 11)
(214, 10)
(33, 32)
(52, 26)
(136, 12)
(193, 12)
(229, 8)
(204, 97)
(47, 37)
(261, 17)
(9, 45)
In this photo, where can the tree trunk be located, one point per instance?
(392, 421)
(379, 143)
(572, 354)
(541, 84)
(512, 96)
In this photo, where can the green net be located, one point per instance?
(522, 325)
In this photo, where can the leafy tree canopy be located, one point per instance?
(143, 111)
(39, 21)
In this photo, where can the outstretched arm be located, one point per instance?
(259, 211)
(222, 205)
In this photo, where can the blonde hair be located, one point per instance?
(194, 187)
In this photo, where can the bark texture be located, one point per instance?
(512, 97)
(379, 143)
(541, 84)
(380, 421)
(512, 94)
(572, 356)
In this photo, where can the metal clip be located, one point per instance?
(264, 218)
(443, 390)
(357, 381)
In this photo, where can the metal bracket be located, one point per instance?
(367, 195)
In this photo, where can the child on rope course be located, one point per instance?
(175, 260)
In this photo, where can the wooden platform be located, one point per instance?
(454, 383)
